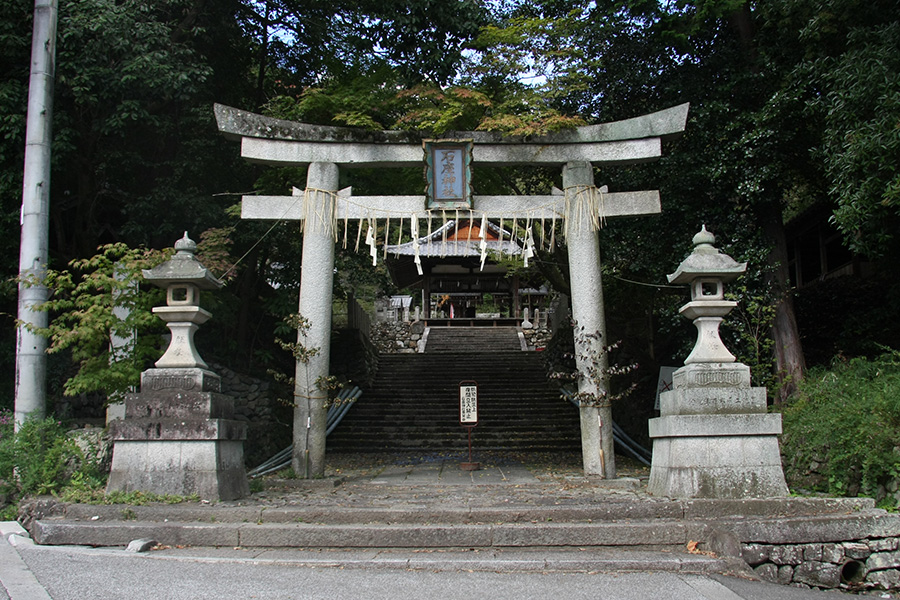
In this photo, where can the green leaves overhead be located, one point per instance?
(313, 40)
(861, 139)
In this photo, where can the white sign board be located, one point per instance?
(468, 403)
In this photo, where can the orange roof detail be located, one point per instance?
(468, 230)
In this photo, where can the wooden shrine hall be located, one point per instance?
(460, 282)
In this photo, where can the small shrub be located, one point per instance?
(842, 432)
(41, 459)
(135, 498)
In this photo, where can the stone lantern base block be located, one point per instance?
(714, 438)
(212, 469)
(720, 466)
(180, 380)
(179, 437)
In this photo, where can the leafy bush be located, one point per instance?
(842, 433)
(101, 297)
(41, 459)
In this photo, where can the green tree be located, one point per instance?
(98, 299)
(739, 163)
(861, 135)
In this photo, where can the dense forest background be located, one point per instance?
(795, 114)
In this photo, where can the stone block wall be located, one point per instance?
(537, 337)
(256, 403)
(397, 337)
(856, 565)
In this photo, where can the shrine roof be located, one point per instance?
(444, 242)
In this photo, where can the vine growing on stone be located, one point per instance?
(598, 369)
(302, 354)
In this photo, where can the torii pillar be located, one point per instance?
(582, 240)
(316, 291)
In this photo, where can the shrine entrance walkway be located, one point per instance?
(413, 401)
(483, 337)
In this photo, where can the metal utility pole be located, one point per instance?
(31, 358)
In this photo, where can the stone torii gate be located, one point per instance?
(325, 150)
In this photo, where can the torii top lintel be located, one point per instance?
(278, 142)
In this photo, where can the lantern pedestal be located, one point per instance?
(714, 438)
(179, 437)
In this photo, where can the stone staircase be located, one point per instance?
(413, 403)
(478, 339)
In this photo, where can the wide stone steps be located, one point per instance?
(456, 339)
(649, 524)
(413, 402)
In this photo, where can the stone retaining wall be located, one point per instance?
(397, 337)
(257, 404)
(813, 476)
(859, 564)
(537, 337)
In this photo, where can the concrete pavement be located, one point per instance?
(78, 572)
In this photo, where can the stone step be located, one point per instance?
(612, 523)
(821, 542)
(482, 339)
(410, 442)
(413, 401)
(510, 408)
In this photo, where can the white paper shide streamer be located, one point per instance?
(483, 244)
(414, 232)
(528, 252)
(370, 240)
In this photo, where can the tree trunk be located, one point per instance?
(789, 360)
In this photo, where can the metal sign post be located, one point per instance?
(468, 417)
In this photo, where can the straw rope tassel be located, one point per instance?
(601, 203)
(553, 233)
(543, 233)
(399, 239)
(318, 208)
(346, 228)
(443, 233)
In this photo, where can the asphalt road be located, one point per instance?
(79, 573)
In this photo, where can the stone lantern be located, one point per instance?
(182, 277)
(714, 437)
(179, 435)
(706, 270)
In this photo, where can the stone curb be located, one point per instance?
(427, 512)
(15, 578)
(572, 560)
(672, 533)
(301, 535)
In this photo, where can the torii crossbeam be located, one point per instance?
(328, 149)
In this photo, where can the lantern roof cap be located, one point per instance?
(706, 261)
(183, 268)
